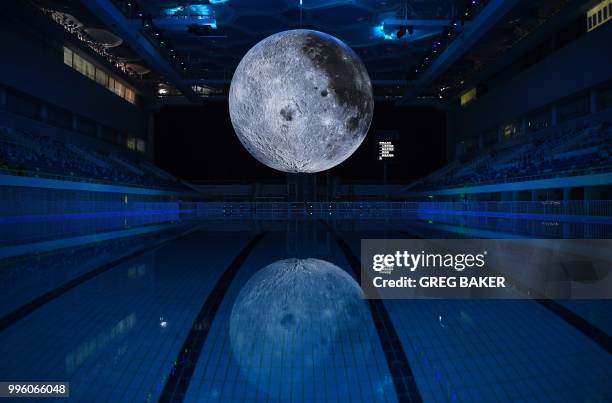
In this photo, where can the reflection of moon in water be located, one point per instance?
(290, 316)
(301, 101)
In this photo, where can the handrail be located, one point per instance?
(584, 208)
(513, 179)
(74, 178)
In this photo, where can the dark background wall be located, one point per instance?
(581, 64)
(199, 143)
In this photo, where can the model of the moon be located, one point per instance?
(301, 101)
(290, 316)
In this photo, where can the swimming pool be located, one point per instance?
(149, 313)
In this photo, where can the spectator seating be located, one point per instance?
(35, 154)
(577, 151)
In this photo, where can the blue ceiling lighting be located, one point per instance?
(395, 39)
(407, 30)
(200, 10)
(185, 16)
(314, 4)
(174, 10)
(379, 32)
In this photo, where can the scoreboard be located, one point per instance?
(387, 140)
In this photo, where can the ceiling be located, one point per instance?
(232, 27)
(240, 24)
(410, 48)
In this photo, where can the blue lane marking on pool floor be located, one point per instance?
(399, 366)
(184, 367)
(26, 309)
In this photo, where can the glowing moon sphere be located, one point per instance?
(301, 101)
(290, 316)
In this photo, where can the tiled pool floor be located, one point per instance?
(161, 324)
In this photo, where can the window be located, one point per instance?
(90, 70)
(468, 96)
(68, 56)
(130, 96)
(599, 14)
(538, 120)
(116, 87)
(510, 130)
(83, 66)
(77, 63)
(99, 75)
(131, 143)
(140, 145)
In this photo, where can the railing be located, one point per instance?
(75, 178)
(599, 208)
(551, 175)
(588, 208)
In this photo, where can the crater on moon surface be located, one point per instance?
(331, 95)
